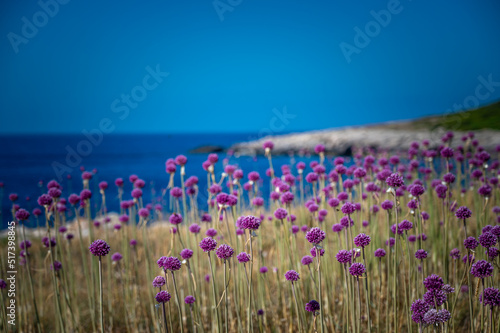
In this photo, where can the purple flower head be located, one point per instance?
(391, 241)
(463, 213)
(357, 269)
(346, 222)
(337, 227)
(362, 240)
(56, 266)
(312, 177)
(44, 200)
(470, 243)
(176, 192)
(163, 296)
(194, 228)
(447, 152)
(292, 276)
(314, 250)
(295, 229)
(455, 253)
(394, 180)
(22, 215)
(116, 256)
(435, 297)
(344, 256)
(348, 208)
(280, 213)
(85, 195)
(492, 252)
(25, 245)
(405, 225)
(249, 222)
(263, 270)
(143, 212)
(169, 263)
(485, 190)
(417, 190)
(333, 202)
(186, 254)
(189, 299)
(419, 308)
(133, 242)
(315, 235)
(433, 282)
(306, 260)
(208, 244)
(387, 204)
(421, 254)
(482, 269)
(158, 281)
(211, 232)
(487, 239)
(3, 284)
(447, 289)
(490, 296)
(175, 219)
(54, 192)
(380, 253)
(99, 248)
(312, 306)
(224, 251)
(243, 257)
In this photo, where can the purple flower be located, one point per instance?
(312, 306)
(405, 225)
(357, 269)
(447, 289)
(387, 204)
(116, 256)
(470, 243)
(263, 270)
(85, 195)
(3, 284)
(348, 208)
(314, 250)
(189, 299)
(292, 276)
(133, 242)
(143, 212)
(417, 190)
(306, 260)
(22, 215)
(337, 227)
(433, 282)
(56, 266)
(158, 281)
(224, 251)
(99, 248)
(208, 244)
(249, 222)
(379, 253)
(391, 241)
(487, 239)
(482, 269)
(344, 256)
(447, 152)
(463, 213)
(421, 254)
(194, 228)
(175, 219)
(243, 257)
(169, 263)
(362, 240)
(315, 235)
(455, 253)
(163, 296)
(394, 180)
(186, 254)
(484, 190)
(419, 308)
(491, 297)
(44, 200)
(435, 297)
(280, 213)
(211, 232)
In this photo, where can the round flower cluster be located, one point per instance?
(348, 208)
(433, 282)
(243, 257)
(189, 299)
(362, 240)
(208, 244)
(357, 269)
(249, 222)
(280, 213)
(175, 219)
(470, 243)
(99, 248)
(379, 253)
(306, 260)
(163, 296)
(482, 269)
(315, 235)
(158, 281)
(421, 254)
(395, 180)
(487, 239)
(170, 263)
(491, 297)
(419, 308)
(312, 306)
(186, 254)
(224, 251)
(292, 276)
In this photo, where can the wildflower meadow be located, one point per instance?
(378, 242)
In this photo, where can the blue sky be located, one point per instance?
(230, 65)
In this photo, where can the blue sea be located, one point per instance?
(30, 160)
